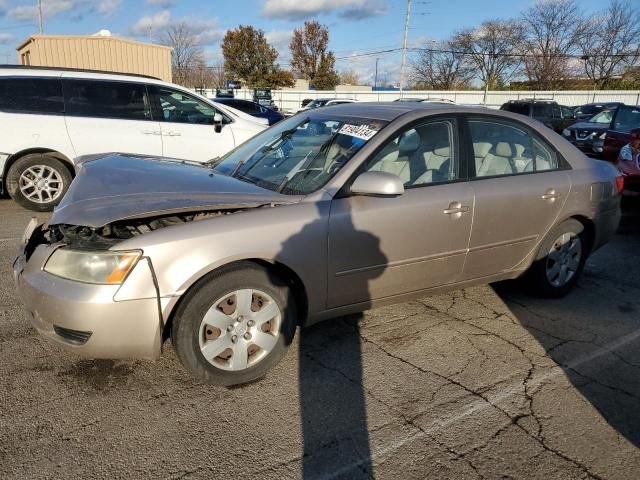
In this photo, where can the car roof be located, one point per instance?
(532, 100)
(389, 111)
(30, 71)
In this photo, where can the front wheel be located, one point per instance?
(560, 260)
(38, 182)
(234, 325)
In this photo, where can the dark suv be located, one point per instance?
(554, 116)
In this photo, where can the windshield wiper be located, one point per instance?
(265, 150)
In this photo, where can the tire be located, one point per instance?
(54, 180)
(192, 337)
(560, 260)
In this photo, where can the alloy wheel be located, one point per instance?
(41, 184)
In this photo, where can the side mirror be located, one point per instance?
(381, 184)
(217, 122)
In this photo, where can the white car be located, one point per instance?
(49, 117)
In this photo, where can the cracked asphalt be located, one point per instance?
(487, 382)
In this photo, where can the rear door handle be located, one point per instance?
(172, 133)
(456, 208)
(550, 194)
(151, 132)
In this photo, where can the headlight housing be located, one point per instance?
(97, 267)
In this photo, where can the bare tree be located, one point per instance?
(187, 53)
(610, 42)
(349, 77)
(494, 50)
(552, 30)
(440, 67)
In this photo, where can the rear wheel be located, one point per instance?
(560, 260)
(38, 182)
(234, 325)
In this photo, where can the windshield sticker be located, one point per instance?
(365, 132)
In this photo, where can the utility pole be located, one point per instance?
(40, 16)
(404, 45)
(375, 79)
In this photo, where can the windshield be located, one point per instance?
(299, 155)
(603, 117)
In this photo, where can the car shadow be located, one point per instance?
(332, 397)
(595, 339)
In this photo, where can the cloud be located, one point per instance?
(300, 10)
(3, 8)
(207, 31)
(6, 38)
(365, 10)
(151, 24)
(50, 8)
(107, 7)
(279, 39)
(160, 3)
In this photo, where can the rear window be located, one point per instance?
(521, 108)
(627, 119)
(89, 98)
(246, 107)
(31, 95)
(541, 111)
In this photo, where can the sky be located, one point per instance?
(356, 27)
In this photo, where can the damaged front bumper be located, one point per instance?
(98, 321)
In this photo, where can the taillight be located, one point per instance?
(620, 183)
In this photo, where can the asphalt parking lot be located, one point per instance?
(487, 382)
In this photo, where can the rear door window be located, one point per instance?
(521, 108)
(31, 95)
(246, 107)
(541, 111)
(627, 119)
(104, 99)
(502, 148)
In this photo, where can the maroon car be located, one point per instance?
(618, 135)
(628, 163)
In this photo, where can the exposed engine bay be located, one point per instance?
(110, 234)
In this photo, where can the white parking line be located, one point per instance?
(13, 239)
(480, 404)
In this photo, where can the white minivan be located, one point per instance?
(50, 116)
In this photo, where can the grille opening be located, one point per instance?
(75, 337)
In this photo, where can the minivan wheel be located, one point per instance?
(38, 182)
(234, 325)
(560, 260)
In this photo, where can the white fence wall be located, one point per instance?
(290, 100)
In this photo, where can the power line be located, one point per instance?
(579, 56)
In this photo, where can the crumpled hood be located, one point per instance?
(118, 187)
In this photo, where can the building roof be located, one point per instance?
(89, 37)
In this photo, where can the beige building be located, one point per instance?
(97, 52)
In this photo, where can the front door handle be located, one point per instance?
(172, 133)
(550, 194)
(151, 132)
(456, 209)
